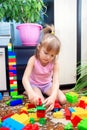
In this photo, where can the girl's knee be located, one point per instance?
(63, 100)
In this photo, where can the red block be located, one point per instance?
(23, 111)
(75, 121)
(31, 105)
(82, 104)
(12, 60)
(4, 128)
(67, 114)
(57, 105)
(41, 113)
(8, 115)
(12, 67)
(31, 127)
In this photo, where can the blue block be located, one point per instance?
(1, 97)
(11, 53)
(71, 109)
(13, 71)
(12, 124)
(56, 109)
(16, 102)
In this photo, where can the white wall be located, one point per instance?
(65, 27)
(3, 85)
(84, 31)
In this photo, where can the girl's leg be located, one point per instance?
(38, 91)
(61, 97)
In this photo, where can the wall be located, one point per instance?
(84, 31)
(65, 25)
(3, 84)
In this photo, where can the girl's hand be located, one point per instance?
(34, 98)
(49, 103)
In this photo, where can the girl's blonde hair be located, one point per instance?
(49, 40)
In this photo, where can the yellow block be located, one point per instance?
(22, 118)
(58, 114)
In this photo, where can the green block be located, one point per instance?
(42, 121)
(7, 102)
(69, 126)
(32, 120)
(32, 110)
(17, 97)
(0, 124)
(13, 93)
(72, 98)
(40, 108)
(82, 125)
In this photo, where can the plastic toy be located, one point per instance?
(22, 118)
(16, 102)
(75, 121)
(72, 97)
(82, 125)
(42, 121)
(41, 111)
(58, 114)
(4, 128)
(32, 120)
(12, 124)
(69, 126)
(7, 116)
(12, 71)
(1, 97)
(31, 127)
(67, 113)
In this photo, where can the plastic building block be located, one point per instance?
(7, 116)
(82, 113)
(42, 121)
(22, 118)
(82, 104)
(55, 109)
(71, 97)
(75, 121)
(32, 120)
(23, 111)
(32, 110)
(67, 113)
(58, 114)
(12, 124)
(30, 105)
(1, 97)
(71, 109)
(16, 102)
(57, 105)
(41, 108)
(39, 102)
(33, 115)
(28, 127)
(0, 123)
(41, 113)
(69, 126)
(31, 127)
(4, 128)
(17, 97)
(84, 98)
(82, 125)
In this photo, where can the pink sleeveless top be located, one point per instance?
(41, 74)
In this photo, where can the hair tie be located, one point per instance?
(52, 32)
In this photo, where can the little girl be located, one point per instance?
(41, 75)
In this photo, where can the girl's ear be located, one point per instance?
(39, 46)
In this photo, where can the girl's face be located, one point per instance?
(45, 56)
